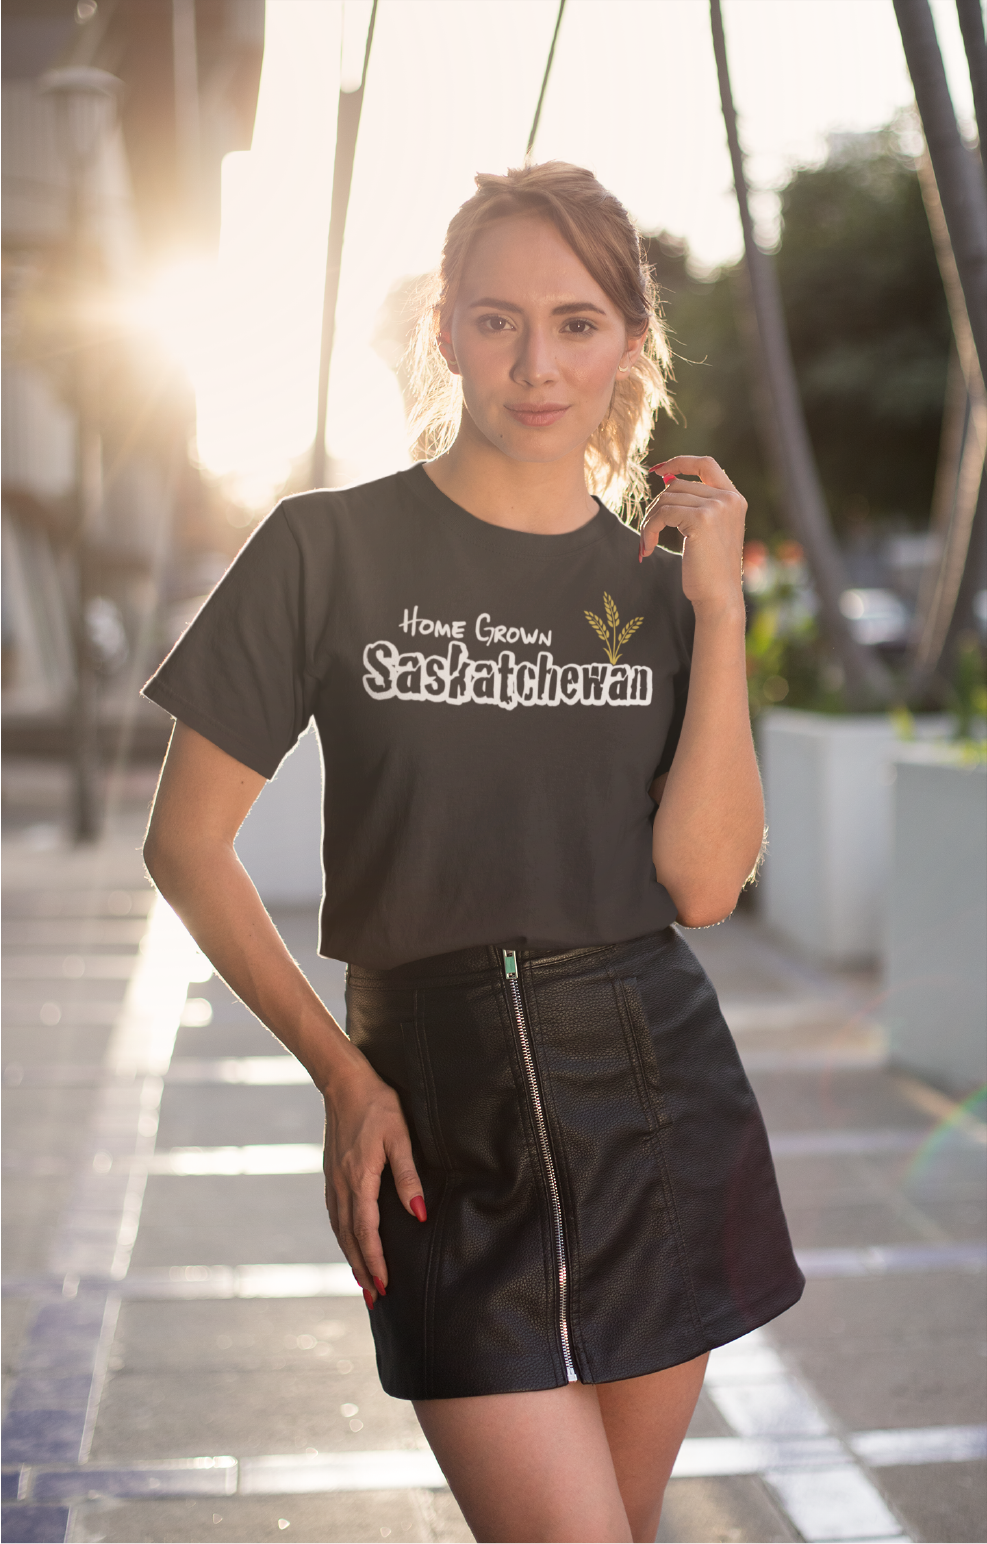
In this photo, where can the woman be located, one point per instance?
(543, 1160)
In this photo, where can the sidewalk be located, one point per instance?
(188, 1358)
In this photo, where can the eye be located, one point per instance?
(579, 326)
(496, 323)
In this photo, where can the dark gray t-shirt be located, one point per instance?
(492, 706)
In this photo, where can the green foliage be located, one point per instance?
(968, 697)
(787, 659)
(870, 338)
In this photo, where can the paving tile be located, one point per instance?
(273, 1410)
(32, 1210)
(898, 1310)
(722, 1511)
(247, 1334)
(939, 1501)
(46, 1122)
(370, 1516)
(217, 1115)
(851, 1224)
(39, 1044)
(936, 1383)
(42, 1436)
(16, 1318)
(234, 1220)
(834, 1100)
(241, 1036)
(34, 1524)
(962, 1218)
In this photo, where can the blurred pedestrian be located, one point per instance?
(543, 1159)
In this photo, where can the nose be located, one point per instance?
(535, 364)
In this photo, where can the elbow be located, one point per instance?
(706, 910)
(153, 857)
(160, 860)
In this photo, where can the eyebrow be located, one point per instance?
(564, 310)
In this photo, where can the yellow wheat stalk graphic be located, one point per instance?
(610, 632)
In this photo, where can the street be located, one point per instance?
(187, 1357)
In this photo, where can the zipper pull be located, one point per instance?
(510, 964)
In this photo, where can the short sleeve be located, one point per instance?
(683, 632)
(237, 675)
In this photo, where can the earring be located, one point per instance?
(622, 369)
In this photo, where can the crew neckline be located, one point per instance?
(473, 528)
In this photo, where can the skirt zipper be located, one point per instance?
(524, 1041)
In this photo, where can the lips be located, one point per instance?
(538, 416)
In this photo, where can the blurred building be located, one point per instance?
(98, 479)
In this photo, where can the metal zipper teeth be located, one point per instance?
(517, 1003)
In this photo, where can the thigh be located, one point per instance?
(645, 1420)
(532, 1466)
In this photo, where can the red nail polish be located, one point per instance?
(380, 1286)
(418, 1207)
(667, 477)
(657, 465)
(368, 1300)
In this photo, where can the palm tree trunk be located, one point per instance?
(956, 499)
(958, 178)
(788, 446)
(972, 27)
(347, 129)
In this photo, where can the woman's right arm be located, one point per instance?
(202, 800)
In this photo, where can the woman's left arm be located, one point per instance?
(710, 822)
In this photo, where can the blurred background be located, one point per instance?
(217, 217)
(165, 225)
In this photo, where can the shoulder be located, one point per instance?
(326, 512)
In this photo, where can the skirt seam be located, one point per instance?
(654, 1132)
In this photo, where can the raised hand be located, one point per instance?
(710, 515)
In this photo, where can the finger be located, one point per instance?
(366, 1231)
(362, 1274)
(703, 467)
(409, 1187)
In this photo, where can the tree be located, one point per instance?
(958, 176)
(869, 334)
(783, 421)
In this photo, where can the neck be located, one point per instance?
(545, 498)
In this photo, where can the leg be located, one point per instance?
(645, 1420)
(528, 1467)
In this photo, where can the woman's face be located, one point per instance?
(537, 342)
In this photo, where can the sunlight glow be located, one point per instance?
(451, 90)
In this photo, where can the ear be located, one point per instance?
(632, 353)
(446, 349)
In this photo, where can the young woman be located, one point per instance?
(543, 1159)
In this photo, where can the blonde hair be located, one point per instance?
(601, 233)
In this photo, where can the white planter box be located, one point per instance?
(827, 793)
(936, 972)
(280, 842)
(827, 789)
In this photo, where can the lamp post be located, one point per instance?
(85, 103)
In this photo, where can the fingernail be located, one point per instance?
(667, 477)
(380, 1286)
(657, 465)
(367, 1298)
(355, 1276)
(418, 1207)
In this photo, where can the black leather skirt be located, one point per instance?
(601, 1197)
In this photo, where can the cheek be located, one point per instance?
(595, 371)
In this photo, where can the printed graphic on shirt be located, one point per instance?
(503, 680)
(609, 630)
